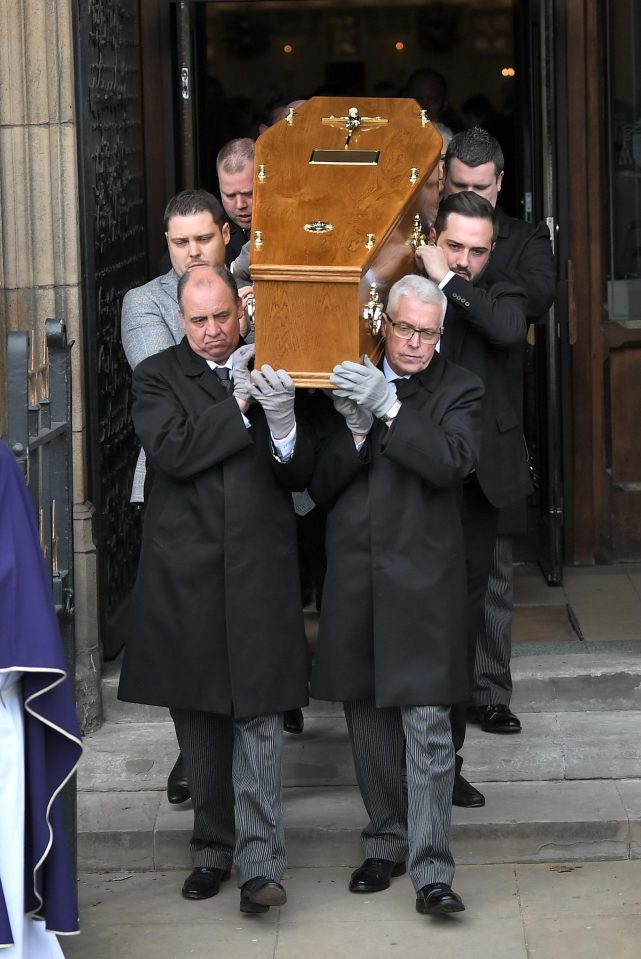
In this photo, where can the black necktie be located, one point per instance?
(401, 384)
(222, 372)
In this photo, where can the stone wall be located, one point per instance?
(40, 273)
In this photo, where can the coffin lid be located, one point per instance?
(357, 200)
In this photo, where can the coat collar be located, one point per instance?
(431, 376)
(503, 221)
(428, 378)
(197, 367)
(169, 283)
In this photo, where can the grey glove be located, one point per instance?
(358, 419)
(365, 384)
(240, 360)
(274, 391)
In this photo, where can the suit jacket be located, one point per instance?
(216, 616)
(149, 323)
(392, 621)
(238, 237)
(240, 267)
(483, 327)
(523, 255)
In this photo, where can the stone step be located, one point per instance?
(560, 681)
(521, 822)
(553, 746)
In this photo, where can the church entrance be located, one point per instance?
(493, 63)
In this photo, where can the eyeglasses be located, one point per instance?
(405, 332)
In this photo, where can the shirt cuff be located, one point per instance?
(446, 279)
(284, 447)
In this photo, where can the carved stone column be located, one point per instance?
(40, 272)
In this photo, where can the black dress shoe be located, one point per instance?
(259, 893)
(204, 882)
(438, 899)
(464, 793)
(374, 875)
(177, 786)
(498, 719)
(293, 721)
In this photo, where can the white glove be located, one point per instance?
(359, 420)
(274, 390)
(240, 360)
(365, 384)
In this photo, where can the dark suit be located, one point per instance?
(391, 640)
(216, 628)
(522, 255)
(237, 239)
(483, 326)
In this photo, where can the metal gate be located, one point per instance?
(39, 434)
(113, 245)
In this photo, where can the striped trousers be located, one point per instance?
(235, 763)
(412, 823)
(492, 676)
(480, 521)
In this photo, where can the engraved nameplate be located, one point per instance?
(346, 157)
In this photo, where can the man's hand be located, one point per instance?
(240, 360)
(365, 384)
(274, 390)
(359, 420)
(433, 260)
(244, 292)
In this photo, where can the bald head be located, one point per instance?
(210, 310)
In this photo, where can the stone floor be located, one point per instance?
(595, 604)
(577, 665)
(537, 911)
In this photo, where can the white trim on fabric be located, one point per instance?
(61, 676)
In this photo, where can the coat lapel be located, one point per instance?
(431, 376)
(169, 283)
(454, 334)
(196, 368)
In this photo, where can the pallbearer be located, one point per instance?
(391, 642)
(216, 623)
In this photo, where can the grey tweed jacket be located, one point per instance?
(150, 323)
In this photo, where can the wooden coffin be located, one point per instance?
(336, 193)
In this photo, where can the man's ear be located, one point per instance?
(499, 180)
(431, 236)
(225, 233)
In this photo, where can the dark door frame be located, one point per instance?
(559, 26)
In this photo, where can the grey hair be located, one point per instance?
(421, 289)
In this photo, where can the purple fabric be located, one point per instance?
(30, 641)
(6, 938)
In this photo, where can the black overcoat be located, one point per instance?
(522, 255)
(216, 621)
(484, 326)
(392, 621)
